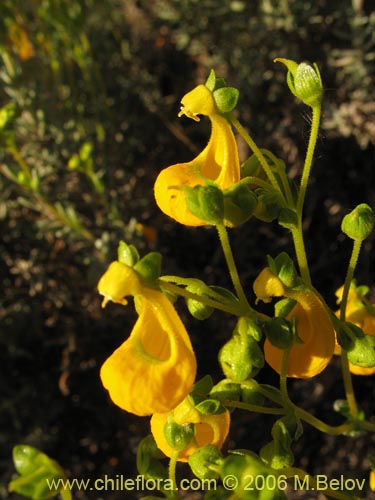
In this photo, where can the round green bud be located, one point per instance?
(359, 223)
(241, 358)
(304, 81)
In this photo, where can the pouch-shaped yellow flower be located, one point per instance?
(208, 429)
(313, 325)
(358, 314)
(218, 162)
(155, 368)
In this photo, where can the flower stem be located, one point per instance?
(254, 148)
(254, 408)
(347, 378)
(297, 232)
(224, 240)
(316, 112)
(172, 474)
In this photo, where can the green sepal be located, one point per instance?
(277, 454)
(250, 393)
(239, 204)
(283, 307)
(241, 357)
(178, 436)
(210, 407)
(280, 332)
(226, 99)
(202, 388)
(288, 218)
(198, 309)
(360, 347)
(127, 254)
(36, 470)
(283, 267)
(359, 224)
(148, 456)
(204, 461)
(149, 267)
(247, 326)
(205, 202)
(213, 83)
(269, 204)
(226, 390)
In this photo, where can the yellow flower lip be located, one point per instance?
(155, 368)
(313, 324)
(118, 282)
(209, 429)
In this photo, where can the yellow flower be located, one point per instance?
(155, 368)
(357, 313)
(117, 282)
(208, 429)
(218, 162)
(313, 326)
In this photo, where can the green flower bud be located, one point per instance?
(359, 223)
(241, 358)
(359, 346)
(239, 204)
(204, 461)
(36, 469)
(178, 436)
(205, 202)
(279, 332)
(149, 267)
(198, 309)
(304, 81)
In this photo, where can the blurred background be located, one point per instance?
(90, 92)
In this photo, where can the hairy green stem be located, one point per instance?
(254, 148)
(347, 378)
(224, 240)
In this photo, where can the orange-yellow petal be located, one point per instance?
(211, 429)
(118, 282)
(155, 368)
(313, 325)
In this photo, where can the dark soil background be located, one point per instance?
(123, 96)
